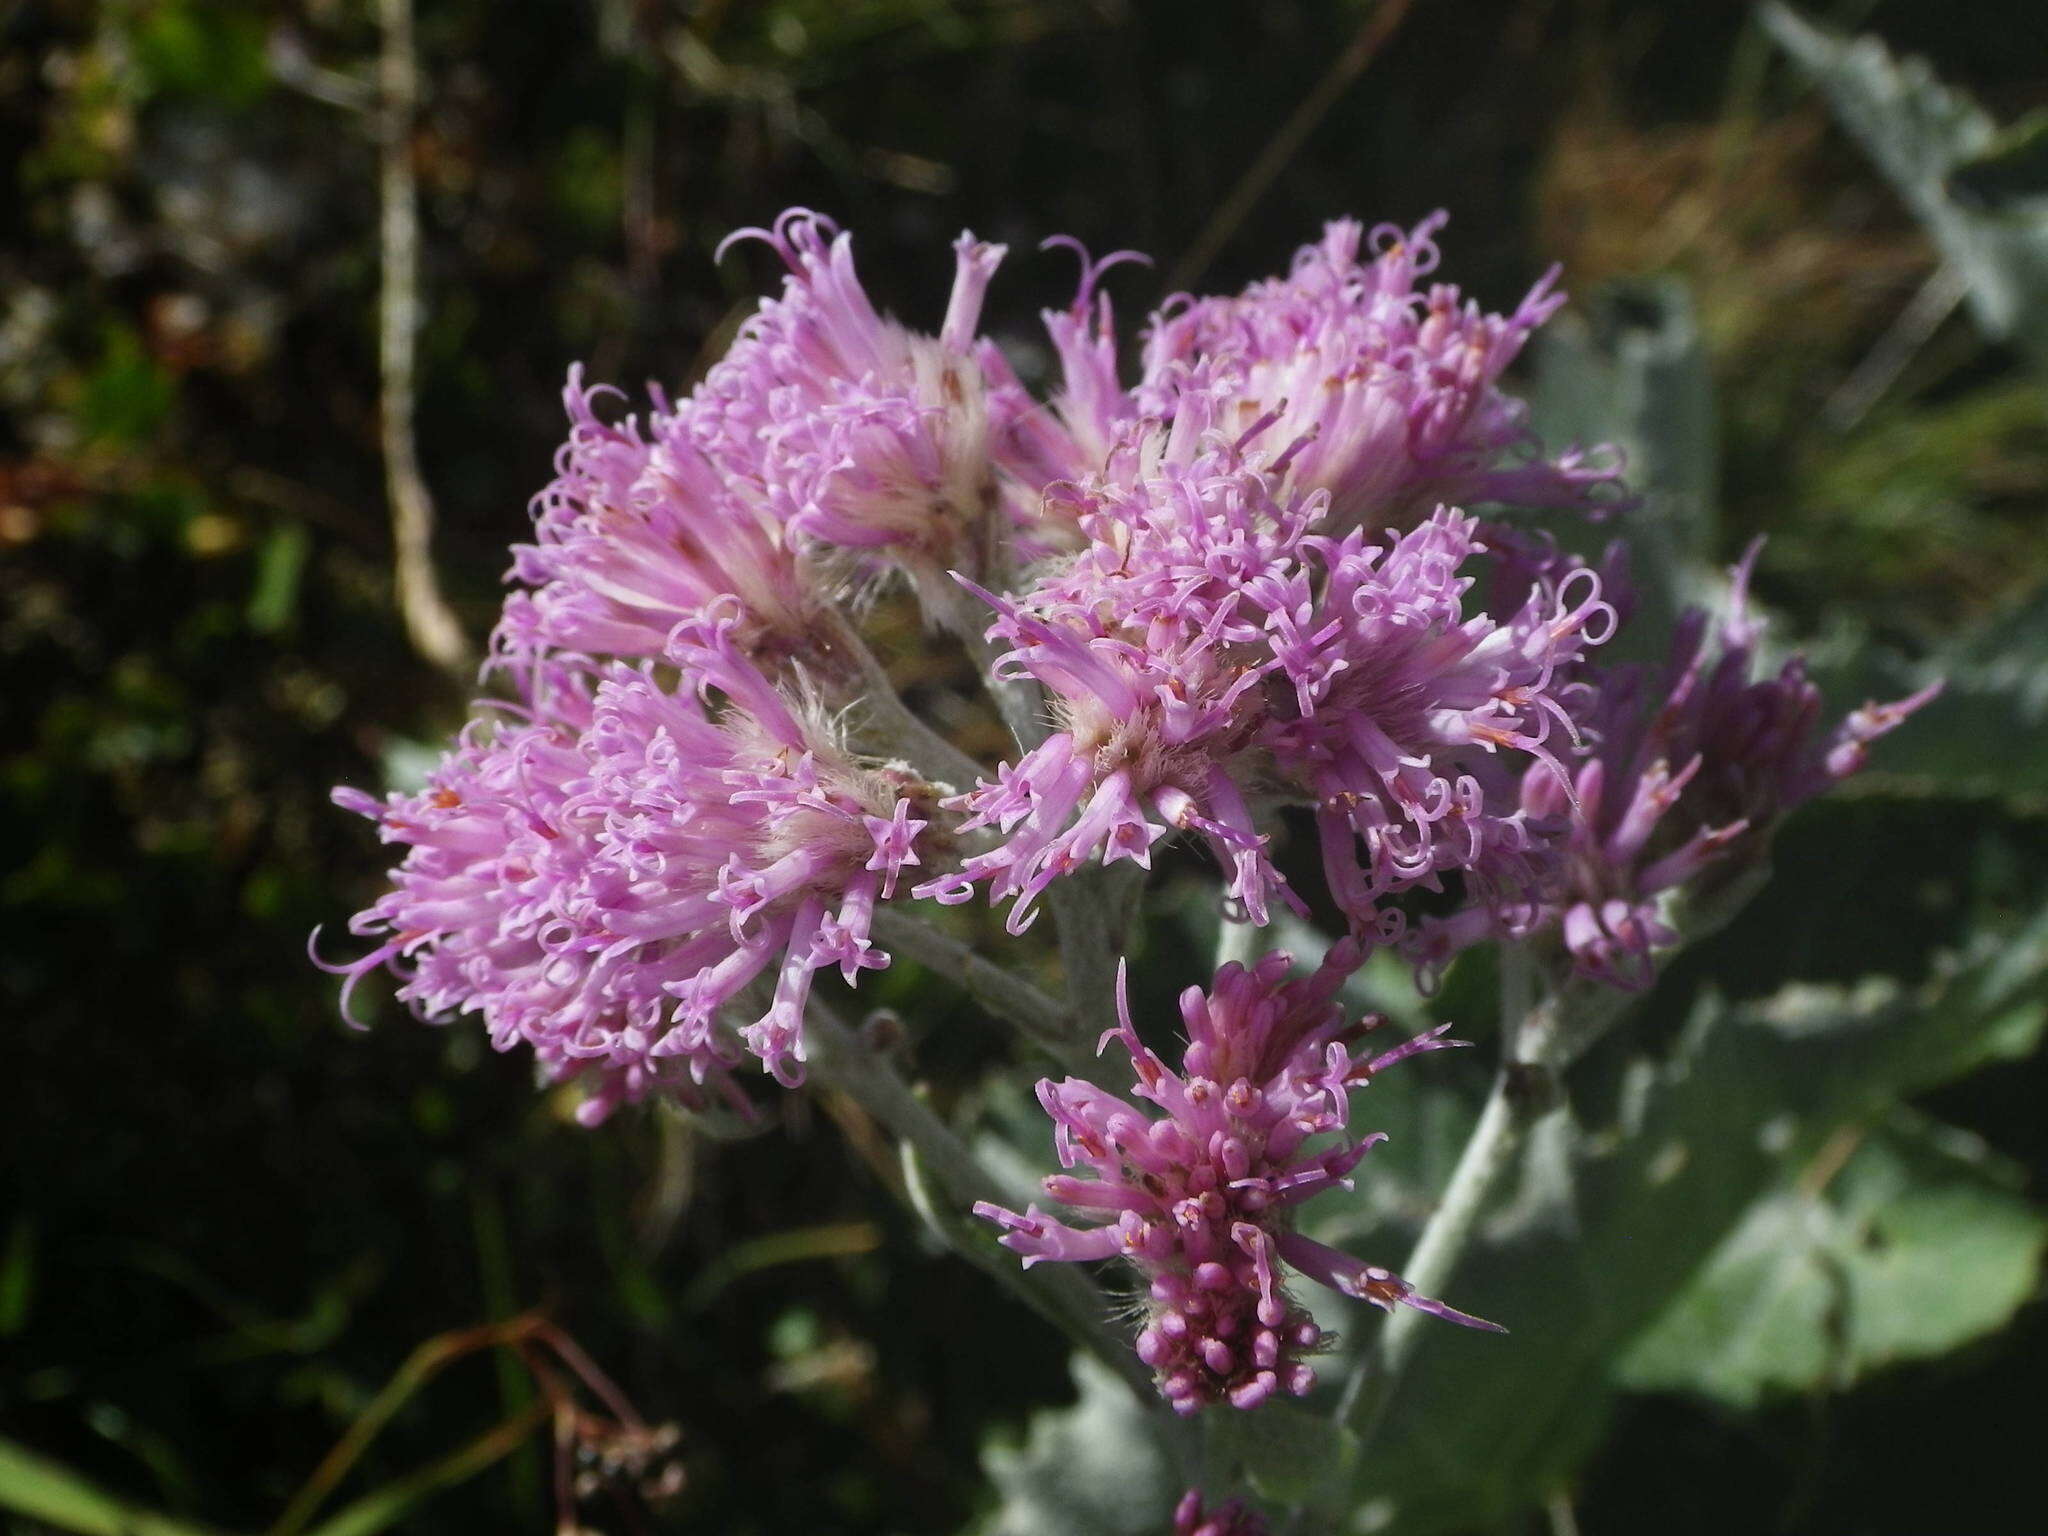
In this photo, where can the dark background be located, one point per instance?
(227, 1218)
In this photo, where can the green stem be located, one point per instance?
(1488, 1155)
(1001, 991)
(891, 723)
(1020, 701)
(1091, 912)
(1541, 1038)
(1242, 942)
(946, 1180)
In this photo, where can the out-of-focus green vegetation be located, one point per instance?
(229, 1221)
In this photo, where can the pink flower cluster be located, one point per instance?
(1207, 649)
(1248, 594)
(1689, 763)
(1258, 615)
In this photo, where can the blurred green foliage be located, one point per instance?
(229, 1220)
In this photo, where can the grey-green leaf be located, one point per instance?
(1613, 1219)
(1917, 1244)
(1628, 367)
(1988, 731)
(1981, 194)
(1100, 1468)
(1284, 1450)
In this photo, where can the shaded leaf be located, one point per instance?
(1285, 1450)
(1610, 1221)
(1100, 1468)
(1982, 195)
(1918, 1245)
(1630, 369)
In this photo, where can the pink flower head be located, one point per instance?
(1410, 706)
(1153, 645)
(865, 438)
(1392, 390)
(1201, 1196)
(601, 880)
(1692, 765)
(638, 529)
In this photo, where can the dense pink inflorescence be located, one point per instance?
(1391, 390)
(1207, 648)
(1201, 1196)
(600, 874)
(1411, 711)
(1237, 627)
(1244, 589)
(864, 438)
(638, 529)
(1153, 645)
(829, 441)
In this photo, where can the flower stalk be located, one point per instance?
(938, 1161)
(1543, 1036)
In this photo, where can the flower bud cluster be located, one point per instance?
(1200, 1196)
(1689, 767)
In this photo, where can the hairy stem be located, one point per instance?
(1541, 1038)
(1092, 910)
(946, 1179)
(890, 723)
(1002, 992)
(1496, 1140)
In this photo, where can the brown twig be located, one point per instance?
(541, 1347)
(425, 1362)
(1287, 139)
(429, 623)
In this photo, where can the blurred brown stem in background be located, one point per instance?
(429, 623)
(1287, 140)
(592, 1450)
